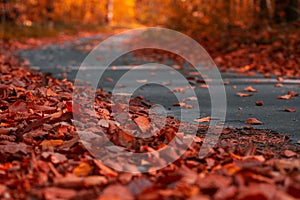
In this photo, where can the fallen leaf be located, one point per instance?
(70, 181)
(250, 89)
(253, 121)
(54, 157)
(244, 94)
(143, 123)
(290, 109)
(82, 169)
(104, 169)
(226, 193)
(116, 192)
(2, 189)
(5, 131)
(178, 89)
(280, 79)
(51, 143)
(193, 98)
(287, 96)
(51, 93)
(58, 193)
(142, 81)
(203, 86)
(167, 83)
(293, 93)
(137, 186)
(259, 103)
(92, 181)
(279, 85)
(108, 79)
(18, 106)
(204, 119)
(257, 191)
(104, 123)
(288, 153)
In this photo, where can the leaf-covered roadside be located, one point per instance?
(42, 157)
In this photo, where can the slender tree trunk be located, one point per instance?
(109, 15)
(292, 11)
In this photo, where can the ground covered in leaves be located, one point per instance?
(42, 156)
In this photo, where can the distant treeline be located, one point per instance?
(177, 14)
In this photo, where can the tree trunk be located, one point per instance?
(292, 11)
(109, 14)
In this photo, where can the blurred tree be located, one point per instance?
(123, 11)
(190, 16)
(109, 14)
(286, 11)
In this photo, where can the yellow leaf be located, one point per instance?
(51, 143)
(82, 170)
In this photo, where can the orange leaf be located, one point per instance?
(104, 169)
(290, 109)
(143, 123)
(289, 153)
(253, 121)
(204, 119)
(51, 93)
(244, 94)
(51, 143)
(287, 96)
(127, 137)
(250, 89)
(82, 170)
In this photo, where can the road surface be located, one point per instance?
(64, 60)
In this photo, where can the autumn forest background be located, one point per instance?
(50, 17)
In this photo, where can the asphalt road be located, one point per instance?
(64, 60)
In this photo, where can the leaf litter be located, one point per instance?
(42, 157)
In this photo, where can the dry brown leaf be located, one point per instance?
(179, 89)
(108, 79)
(203, 86)
(51, 93)
(288, 153)
(259, 103)
(92, 181)
(290, 109)
(104, 169)
(2, 189)
(253, 121)
(287, 96)
(18, 106)
(58, 193)
(143, 123)
(241, 94)
(280, 79)
(116, 192)
(204, 119)
(250, 89)
(279, 85)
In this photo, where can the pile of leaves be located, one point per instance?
(270, 51)
(43, 157)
